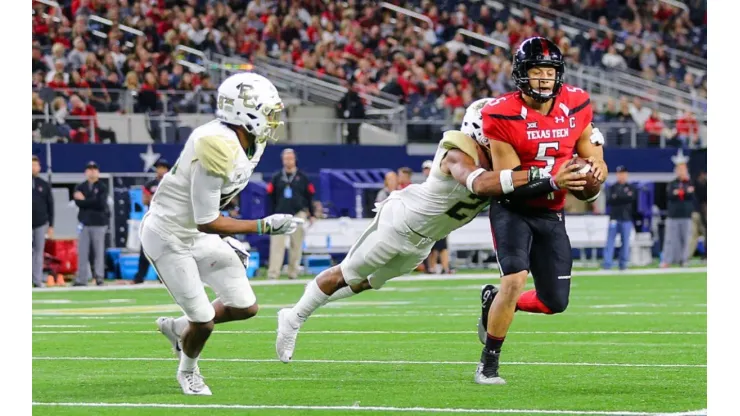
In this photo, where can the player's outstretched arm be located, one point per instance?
(589, 147)
(205, 195)
(479, 181)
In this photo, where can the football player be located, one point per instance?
(541, 125)
(180, 233)
(409, 221)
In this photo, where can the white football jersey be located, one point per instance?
(441, 204)
(215, 147)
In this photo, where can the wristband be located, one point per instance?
(507, 182)
(554, 184)
(472, 177)
(259, 227)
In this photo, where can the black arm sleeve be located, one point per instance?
(531, 190)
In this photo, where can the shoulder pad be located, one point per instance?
(454, 139)
(217, 154)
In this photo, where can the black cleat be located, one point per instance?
(487, 293)
(487, 372)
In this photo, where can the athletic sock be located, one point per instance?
(342, 293)
(494, 343)
(312, 299)
(187, 363)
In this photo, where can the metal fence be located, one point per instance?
(135, 100)
(167, 129)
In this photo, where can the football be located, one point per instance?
(484, 156)
(593, 186)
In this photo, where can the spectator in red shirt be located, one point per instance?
(687, 129)
(82, 115)
(57, 83)
(452, 99)
(654, 128)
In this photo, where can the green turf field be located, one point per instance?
(627, 345)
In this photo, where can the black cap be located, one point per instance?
(92, 165)
(621, 168)
(162, 162)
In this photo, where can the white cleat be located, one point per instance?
(482, 332)
(286, 335)
(167, 327)
(192, 383)
(481, 378)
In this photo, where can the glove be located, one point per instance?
(279, 224)
(596, 137)
(238, 249)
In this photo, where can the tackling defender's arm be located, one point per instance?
(589, 147)
(486, 183)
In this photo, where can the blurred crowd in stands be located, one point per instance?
(94, 66)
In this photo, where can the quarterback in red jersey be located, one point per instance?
(541, 125)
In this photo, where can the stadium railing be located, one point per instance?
(165, 128)
(613, 82)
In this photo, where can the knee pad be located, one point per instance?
(238, 300)
(350, 276)
(201, 313)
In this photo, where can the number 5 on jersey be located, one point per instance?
(542, 155)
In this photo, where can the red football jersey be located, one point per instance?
(544, 141)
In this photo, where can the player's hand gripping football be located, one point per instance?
(281, 224)
(600, 169)
(568, 178)
(238, 249)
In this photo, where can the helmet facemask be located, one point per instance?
(265, 129)
(520, 76)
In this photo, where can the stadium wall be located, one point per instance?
(132, 158)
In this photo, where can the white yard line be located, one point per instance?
(358, 408)
(61, 326)
(217, 331)
(374, 362)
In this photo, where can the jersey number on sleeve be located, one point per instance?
(466, 210)
(542, 155)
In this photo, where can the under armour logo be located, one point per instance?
(532, 125)
(560, 216)
(560, 119)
